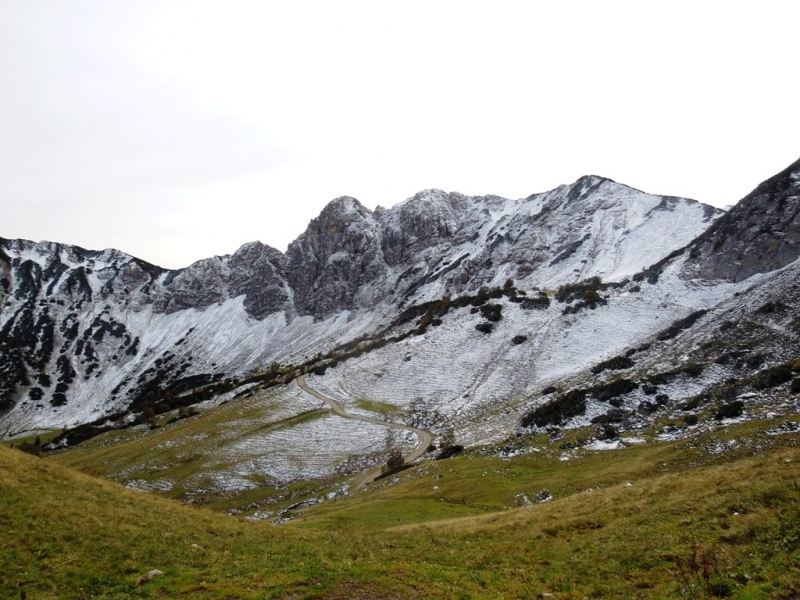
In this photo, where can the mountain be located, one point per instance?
(616, 367)
(761, 233)
(85, 334)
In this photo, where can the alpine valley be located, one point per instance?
(590, 321)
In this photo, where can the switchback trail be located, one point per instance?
(424, 438)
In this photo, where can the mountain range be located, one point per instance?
(593, 305)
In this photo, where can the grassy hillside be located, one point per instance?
(718, 515)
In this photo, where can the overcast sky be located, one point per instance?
(179, 130)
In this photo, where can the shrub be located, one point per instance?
(484, 327)
(34, 449)
(578, 291)
(613, 389)
(449, 452)
(607, 432)
(690, 420)
(729, 411)
(557, 411)
(645, 407)
(395, 460)
(540, 302)
(612, 416)
(796, 386)
(662, 378)
(519, 339)
(614, 364)
(679, 325)
(447, 439)
(693, 369)
(772, 377)
(548, 390)
(491, 312)
(579, 306)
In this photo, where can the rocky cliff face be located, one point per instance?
(83, 333)
(760, 234)
(351, 258)
(255, 271)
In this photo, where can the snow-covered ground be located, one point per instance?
(481, 383)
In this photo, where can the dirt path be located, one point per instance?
(424, 438)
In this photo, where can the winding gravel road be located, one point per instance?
(424, 438)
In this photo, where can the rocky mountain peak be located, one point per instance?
(337, 254)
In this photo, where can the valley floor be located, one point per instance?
(715, 515)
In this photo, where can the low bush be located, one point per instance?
(582, 290)
(484, 327)
(679, 325)
(395, 460)
(606, 432)
(693, 369)
(613, 389)
(612, 416)
(538, 303)
(772, 377)
(519, 339)
(450, 451)
(557, 411)
(614, 364)
(645, 407)
(492, 312)
(730, 411)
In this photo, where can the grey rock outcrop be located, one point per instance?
(337, 256)
(760, 234)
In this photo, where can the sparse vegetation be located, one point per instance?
(584, 294)
(491, 312)
(615, 364)
(772, 377)
(557, 411)
(679, 325)
(540, 302)
(484, 327)
(731, 410)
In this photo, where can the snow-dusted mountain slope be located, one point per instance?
(761, 233)
(84, 334)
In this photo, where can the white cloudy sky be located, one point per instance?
(176, 130)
